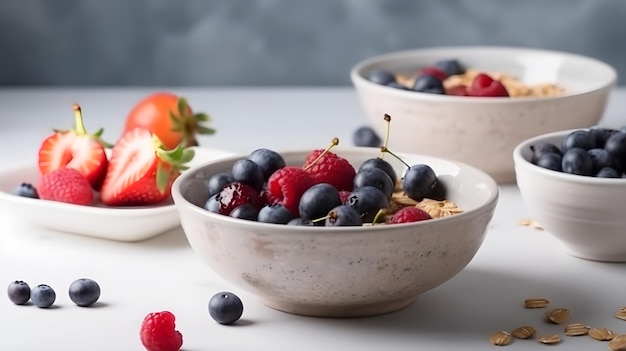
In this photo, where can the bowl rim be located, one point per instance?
(489, 203)
(358, 79)
(525, 164)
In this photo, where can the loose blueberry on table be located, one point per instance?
(84, 292)
(225, 307)
(43, 296)
(19, 292)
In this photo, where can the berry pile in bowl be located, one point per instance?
(317, 236)
(475, 104)
(573, 184)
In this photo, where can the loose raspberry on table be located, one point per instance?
(158, 332)
(409, 214)
(286, 186)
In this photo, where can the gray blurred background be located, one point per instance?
(276, 42)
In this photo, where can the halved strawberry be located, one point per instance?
(77, 149)
(141, 171)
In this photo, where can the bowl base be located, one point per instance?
(344, 311)
(598, 257)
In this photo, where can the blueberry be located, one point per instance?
(225, 307)
(268, 160)
(367, 200)
(375, 177)
(43, 296)
(600, 158)
(343, 215)
(26, 190)
(381, 76)
(550, 160)
(275, 213)
(397, 85)
(317, 200)
(600, 135)
(212, 204)
(19, 292)
(607, 172)
(385, 166)
(450, 66)
(299, 221)
(616, 146)
(578, 139)
(419, 182)
(542, 149)
(218, 181)
(427, 83)
(84, 292)
(366, 136)
(245, 211)
(248, 172)
(577, 161)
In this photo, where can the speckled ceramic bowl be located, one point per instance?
(340, 271)
(484, 131)
(586, 214)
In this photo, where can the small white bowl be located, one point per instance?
(484, 131)
(339, 271)
(587, 214)
(127, 224)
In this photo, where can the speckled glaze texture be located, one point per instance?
(484, 131)
(340, 272)
(586, 214)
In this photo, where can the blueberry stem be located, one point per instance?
(384, 149)
(387, 119)
(333, 143)
(380, 213)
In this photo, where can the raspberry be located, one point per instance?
(65, 185)
(286, 186)
(484, 85)
(236, 194)
(433, 71)
(331, 169)
(409, 214)
(315, 154)
(343, 195)
(158, 332)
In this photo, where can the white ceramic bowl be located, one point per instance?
(339, 271)
(484, 131)
(586, 214)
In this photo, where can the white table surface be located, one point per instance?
(163, 273)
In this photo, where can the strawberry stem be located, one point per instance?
(78, 120)
(333, 143)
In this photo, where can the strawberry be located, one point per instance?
(141, 171)
(158, 332)
(77, 149)
(65, 185)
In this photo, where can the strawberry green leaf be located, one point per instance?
(162, 178)
(205, 130)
